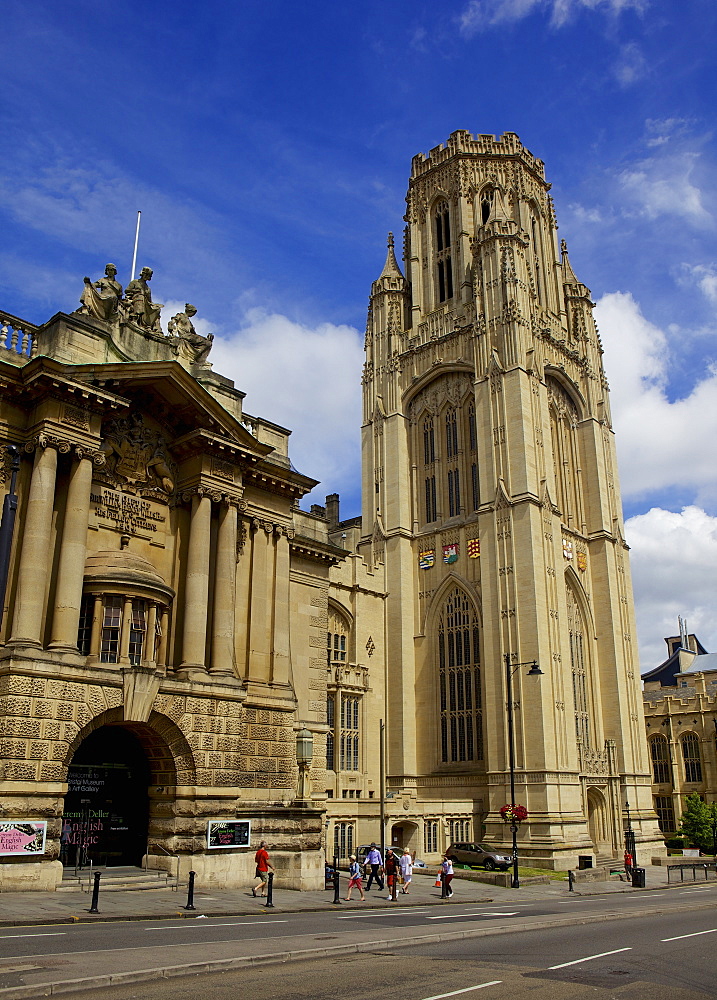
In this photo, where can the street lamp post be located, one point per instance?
(510, 669)
(630, 836)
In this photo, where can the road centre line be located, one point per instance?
(382, 913)
(238, 923)
(686, 892)
(696, 934)
(6, 937)
(589, 958)
(468, 989)
(461, 916)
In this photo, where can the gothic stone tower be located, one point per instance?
(491, 495)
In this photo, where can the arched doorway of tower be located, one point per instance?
(404, 834)
(113, 779)
(598, 826)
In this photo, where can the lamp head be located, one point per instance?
(535, 670)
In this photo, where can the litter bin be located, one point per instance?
(638, 878)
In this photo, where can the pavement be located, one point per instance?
(28, 971)
(27, 908)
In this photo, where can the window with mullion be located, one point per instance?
(459, 681)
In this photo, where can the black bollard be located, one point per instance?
(270, 891)
(444, 887)
(95, 893)
(571, 880)
(190, 892)
(337, 891)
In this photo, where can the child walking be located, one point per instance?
(355, 877)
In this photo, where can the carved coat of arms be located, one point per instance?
(136, 458)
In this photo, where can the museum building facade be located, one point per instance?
(165, 602)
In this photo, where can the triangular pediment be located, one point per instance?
(177, 400)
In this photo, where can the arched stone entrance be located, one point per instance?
(598, 826)
(120, 778)
(404, 834)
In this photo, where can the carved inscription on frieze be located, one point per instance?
(129, 514)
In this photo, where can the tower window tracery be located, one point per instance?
(459, 680)
(566, 454)
(429, 443)
(486, 205)
(584, 729)
(431, 512)
(451, 433)
(454, 493)
(444, 265)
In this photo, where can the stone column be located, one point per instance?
(262, 595)
(71, 569)
(280, 659)
(243, 590)
(96, 633)
(150, 636)
(163, 640)
(35, 558)
(223, 657)
(196, 588)
(125, 630)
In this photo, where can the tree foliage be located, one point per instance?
(697, 821)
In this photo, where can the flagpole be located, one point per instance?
(136, 241)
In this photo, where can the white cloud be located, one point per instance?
(664, 185)
(305, 379)
(631, 64)
(662, 444)
(481, 14)
(674, 571)
(705, 277)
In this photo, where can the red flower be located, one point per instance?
(514, 813)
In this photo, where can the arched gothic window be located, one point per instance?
(444, 265)
(486, 205)
(563, 426)
(660, 754)
(691, 758)
(459, 680)
(584, 729)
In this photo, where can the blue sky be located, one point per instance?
(268, 146)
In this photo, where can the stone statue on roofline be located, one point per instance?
(190, 347)
(100, 299)
(138, 303)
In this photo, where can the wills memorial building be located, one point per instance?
(189, 662)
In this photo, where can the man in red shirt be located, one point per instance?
(261, 859)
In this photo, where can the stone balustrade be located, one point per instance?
(17, 335)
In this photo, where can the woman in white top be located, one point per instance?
(447, 874)
(406, 863)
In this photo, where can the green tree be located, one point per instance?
(696, 822)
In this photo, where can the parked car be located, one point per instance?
(479, 855)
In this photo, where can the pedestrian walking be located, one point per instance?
(447, 874)
(406, 863)
(392, 870)
(355, 877)
(375, 863)
(628, 862)
(261, 860)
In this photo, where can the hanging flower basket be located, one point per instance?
(514, 813)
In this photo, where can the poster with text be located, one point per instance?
(23, 836)
(228, 833)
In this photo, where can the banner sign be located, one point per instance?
(222, 833)
(24, 837)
